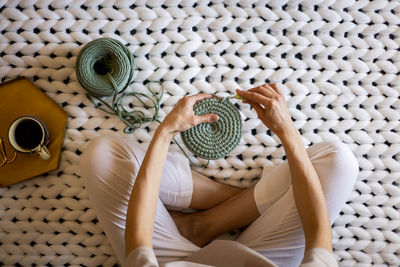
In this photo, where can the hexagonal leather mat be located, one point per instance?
(19, 98)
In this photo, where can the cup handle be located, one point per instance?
(43, 152)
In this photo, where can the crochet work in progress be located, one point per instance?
(214, 140)
(337, 62)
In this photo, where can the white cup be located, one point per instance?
(29, 134)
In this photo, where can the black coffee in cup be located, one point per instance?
(28, 134)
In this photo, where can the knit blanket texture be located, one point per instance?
(336, 62)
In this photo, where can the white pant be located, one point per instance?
(110, 164)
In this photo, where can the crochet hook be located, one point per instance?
(239, 97)
(236, 96)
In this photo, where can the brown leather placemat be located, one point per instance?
(18, 98)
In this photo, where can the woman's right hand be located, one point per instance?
(270, 106)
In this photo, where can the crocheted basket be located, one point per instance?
(218, 139)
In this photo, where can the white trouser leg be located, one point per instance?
(109, 167)
(277, 233)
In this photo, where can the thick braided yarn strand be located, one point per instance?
(214, 140)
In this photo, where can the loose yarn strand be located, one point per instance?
(135, 119)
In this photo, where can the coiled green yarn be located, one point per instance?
(105, 67)
(218, 139)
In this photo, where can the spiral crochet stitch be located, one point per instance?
(218, 139)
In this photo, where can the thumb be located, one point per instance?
(207, 118)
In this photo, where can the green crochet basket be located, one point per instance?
(214, 140)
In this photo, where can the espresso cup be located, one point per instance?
(29, 134)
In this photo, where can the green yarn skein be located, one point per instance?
(105, 67)
(214, 140)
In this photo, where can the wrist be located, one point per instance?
(290, 133)
(163, 132)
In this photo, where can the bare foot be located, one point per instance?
(190, 227)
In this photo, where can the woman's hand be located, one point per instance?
(182, 116)
(270, 106)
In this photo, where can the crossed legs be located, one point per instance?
(208, 193)
(275, 229)
(109, 167)
(234, 210)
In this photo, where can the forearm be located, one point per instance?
(143, 201)
(271, 108)
(308, 194)
(144, 197)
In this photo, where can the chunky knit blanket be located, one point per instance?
(337, 62)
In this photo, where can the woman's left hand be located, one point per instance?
(182, 116)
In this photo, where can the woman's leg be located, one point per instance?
(202, 227)
(277, 233)
(208, 193)
(109, 167)
(272, 197)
